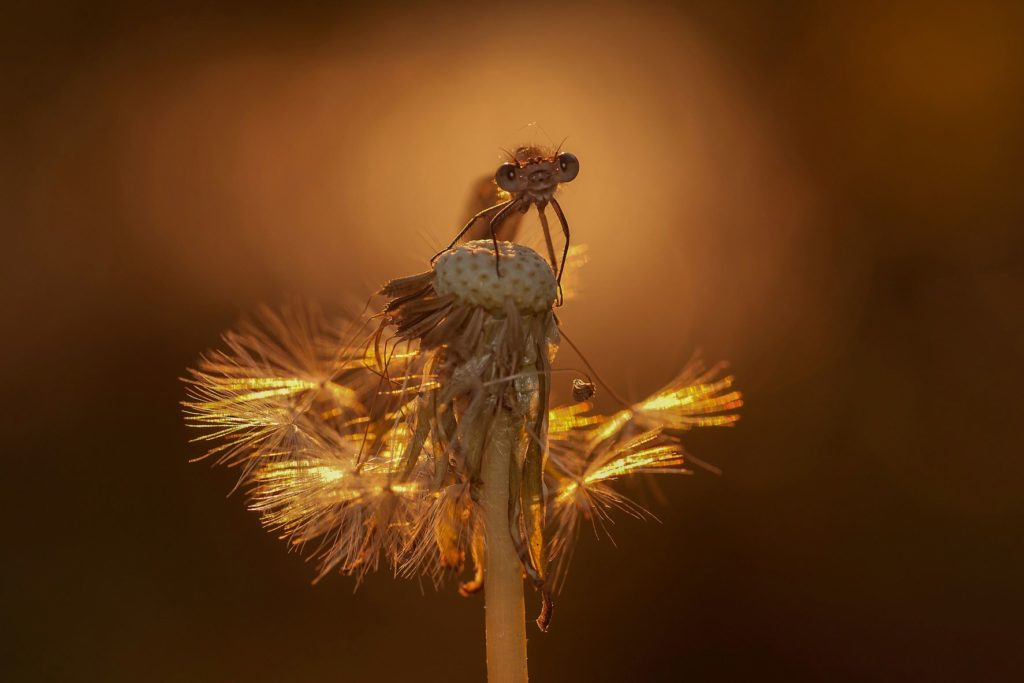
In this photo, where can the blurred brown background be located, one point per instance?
(826, 194)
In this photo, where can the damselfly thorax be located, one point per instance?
(529, 178)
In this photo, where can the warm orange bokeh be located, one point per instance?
(825, 194)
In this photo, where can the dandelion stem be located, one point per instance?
(503, 574)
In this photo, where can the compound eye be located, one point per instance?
(569, 165)
(507, 177)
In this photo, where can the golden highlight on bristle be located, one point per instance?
(359, 442)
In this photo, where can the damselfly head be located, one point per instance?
(536, 173)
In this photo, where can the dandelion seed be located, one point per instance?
(582, 390)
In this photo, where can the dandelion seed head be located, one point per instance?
(360, 443)
(468, 272)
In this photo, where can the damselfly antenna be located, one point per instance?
(530, 178)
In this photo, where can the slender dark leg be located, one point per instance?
(547, 239)
(474, 219)
(495, 222)
(565, 250)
